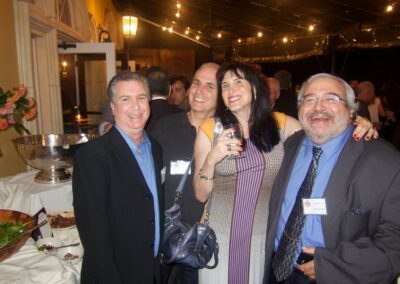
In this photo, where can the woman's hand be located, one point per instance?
(226, 145)
(364, 128)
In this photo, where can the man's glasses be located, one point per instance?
(325, 99)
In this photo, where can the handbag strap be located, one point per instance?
(178, 192)
(217, 132)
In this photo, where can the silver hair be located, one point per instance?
(352, 105)
(126, 76)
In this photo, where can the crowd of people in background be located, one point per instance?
(153, 125)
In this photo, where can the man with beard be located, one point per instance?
(176, 134)
(339, 225)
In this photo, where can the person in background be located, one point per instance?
(365, 96)
(160, 88)
(274, 90)
(117, 192)
(354, 84)
(176, 134)
(178, 95)
(286, 103)
(340, 225)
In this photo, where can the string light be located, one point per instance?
(197, 37)
(219, 35)
(187, 31)
(259, 34)
(239, 40)
(164, 28)
(389, 8)
(177, 14)
(285, 39)
(311, 28)
(171, 30)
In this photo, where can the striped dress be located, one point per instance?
(239, 214)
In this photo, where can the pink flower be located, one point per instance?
(3, 124)
(7, 109)
(11, 119)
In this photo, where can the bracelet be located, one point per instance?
(203, 176)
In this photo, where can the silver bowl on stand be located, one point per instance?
(51, 154)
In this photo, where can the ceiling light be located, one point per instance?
(259, 34)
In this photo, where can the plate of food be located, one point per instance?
(62, 220)
(70, 255)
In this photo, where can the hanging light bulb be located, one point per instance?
(177, 14)
(178, 5)
(239, 40)
(389, 8)
(171, 30)
(311, 28)
(259, 34)
(219, 35)
(285, 39)
(197, 37)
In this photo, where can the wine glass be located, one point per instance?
(235, 132)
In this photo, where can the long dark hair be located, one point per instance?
(263, 129)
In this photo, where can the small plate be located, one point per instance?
(62, 220)
(70, 255)
(46, 244)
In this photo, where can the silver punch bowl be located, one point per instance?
(51, 154)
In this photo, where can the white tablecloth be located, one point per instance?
(29, 265)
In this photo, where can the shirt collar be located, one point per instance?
(129, 139)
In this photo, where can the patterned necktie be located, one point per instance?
(283, 260)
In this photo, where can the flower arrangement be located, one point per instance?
(15, 107)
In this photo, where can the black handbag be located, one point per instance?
(189, 246)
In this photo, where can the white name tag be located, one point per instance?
(179, 167)
(314, 206)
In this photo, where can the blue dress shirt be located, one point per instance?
(144, 158)
(312, 235)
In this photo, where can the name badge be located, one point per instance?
(179, 167)
(314, 206)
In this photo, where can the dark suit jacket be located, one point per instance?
(362, 226)
(158, 109)
(114, 212)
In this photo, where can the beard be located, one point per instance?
(320, 134)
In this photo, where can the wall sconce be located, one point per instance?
(104, 35)
(129, 26)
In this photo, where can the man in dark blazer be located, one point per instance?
(160, 88)
(117, 192)
(351, 232)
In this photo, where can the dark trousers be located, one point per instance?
(297, 277)
(178, 274)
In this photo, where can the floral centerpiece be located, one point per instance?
(15, 107)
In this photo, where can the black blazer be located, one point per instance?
(114, 212)
(362, 228)
(158, 109)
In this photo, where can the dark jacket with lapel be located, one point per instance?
(158, 109)
(114, 212)
(362, 225)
